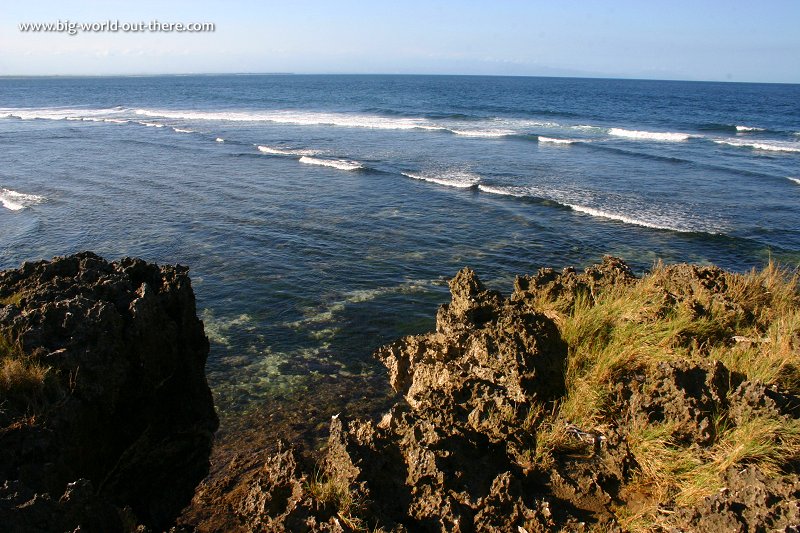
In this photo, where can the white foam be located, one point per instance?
(461, 179)
(519, 192)
(550, 140)
(623, 218)
(300, 118)
(150, 124)
(341, 164)
(284, 151)
(770, 146)
(796, 180)
(748, 128)
(182, 130)
(17, 201)
(649, 135)
(55, 113)
(220, 140)
(484, 132)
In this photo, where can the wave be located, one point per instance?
(626, 219)
(461, 179)
(770, 146)
(219, 140)
(649, 135)
(748, 128)
(554, 197)
(483, 133)
(341, 164)
(150, 124)
(796, 180)
(17, 201)
(182, 130)
(550, 140)
(517, 192)
(284, 151)
(297, 118)
(55, 113)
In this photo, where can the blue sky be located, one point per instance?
(698, 40)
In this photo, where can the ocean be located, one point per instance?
(322, 216)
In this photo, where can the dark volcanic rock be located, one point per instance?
(750, 501)
(128, 421)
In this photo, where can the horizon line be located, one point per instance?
(184, 74)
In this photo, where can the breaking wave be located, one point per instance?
(649, 135)
(770, 146)
(17, 201)
(285, 151)
(461, 179)
(551, 140)
(341, 164)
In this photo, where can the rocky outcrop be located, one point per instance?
(122, 424)
(477, 442)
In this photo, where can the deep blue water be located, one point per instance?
(322, 215)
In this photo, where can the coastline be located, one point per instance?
(584, 401)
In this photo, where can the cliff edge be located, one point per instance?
(585, 401)
(106, 418)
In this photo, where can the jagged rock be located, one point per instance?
(549, 285)
(459, 451)
(687, 395)
(128, 406)
(750, 501)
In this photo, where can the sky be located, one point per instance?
(731, 40)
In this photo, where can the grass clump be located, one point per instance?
(336, 494)
(13, 299)
(617, 337)
(24, 382)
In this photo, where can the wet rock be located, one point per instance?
(127, 419)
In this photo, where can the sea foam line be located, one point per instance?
(341, 164)
(796, 180)
(526, 192)
(460, 179)
(623, 218)
(748, 128)
(296, 118)
(483, 133)
(551, 140)
(772, 146)
(285, 151)
(518, 192)
(56, 113)
(17, 201)
(649, 135)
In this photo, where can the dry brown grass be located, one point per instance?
(753, 328)
(24, 382)
(337, 494)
